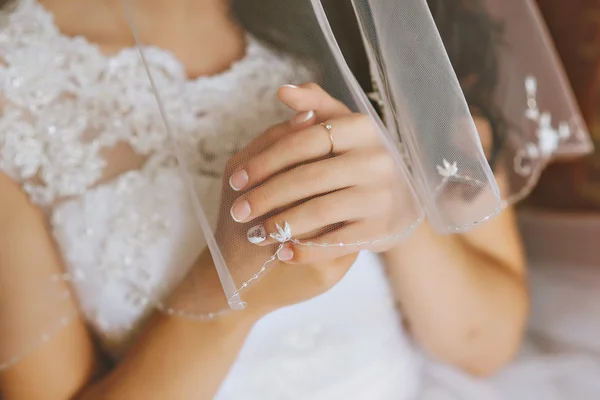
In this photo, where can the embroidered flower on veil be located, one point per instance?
(448, 170)
(284, 234)
(548, 137)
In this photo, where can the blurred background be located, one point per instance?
(560, 221)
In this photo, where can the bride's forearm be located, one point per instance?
(56, 367)
(463, 305)
(178, 358)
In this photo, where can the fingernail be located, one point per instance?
(285, 254)
(257, 234)
(289, 85)
(240, 211)
(303, 117)
(238, 180)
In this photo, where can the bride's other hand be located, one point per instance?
(325, 174)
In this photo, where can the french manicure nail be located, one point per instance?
(285, 254)
(289, 85)
(303, 117)
(257, 234)
(238, 180)
(240, 211)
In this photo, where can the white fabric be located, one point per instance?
(346, 344)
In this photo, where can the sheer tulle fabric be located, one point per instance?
(540, 116)
(441, 171)
(447, 179)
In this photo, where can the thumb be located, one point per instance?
(311, 97)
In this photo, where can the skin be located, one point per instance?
(464, 296)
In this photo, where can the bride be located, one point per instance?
(84, 192)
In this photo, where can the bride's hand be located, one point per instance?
(325, 174)
(342, 189)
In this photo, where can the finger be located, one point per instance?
(297, 123)
(307, 100)
(362, 235)
(317, 214)
(309, 180)
(311, 96)
(310, 144)
(348, 239)
(320, 277)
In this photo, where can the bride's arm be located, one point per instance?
(176, 358)
(60, 367)
(464, 296)
(173, 358)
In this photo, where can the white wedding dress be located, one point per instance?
(71, 113)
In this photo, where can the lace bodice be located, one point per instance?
(70, 112)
